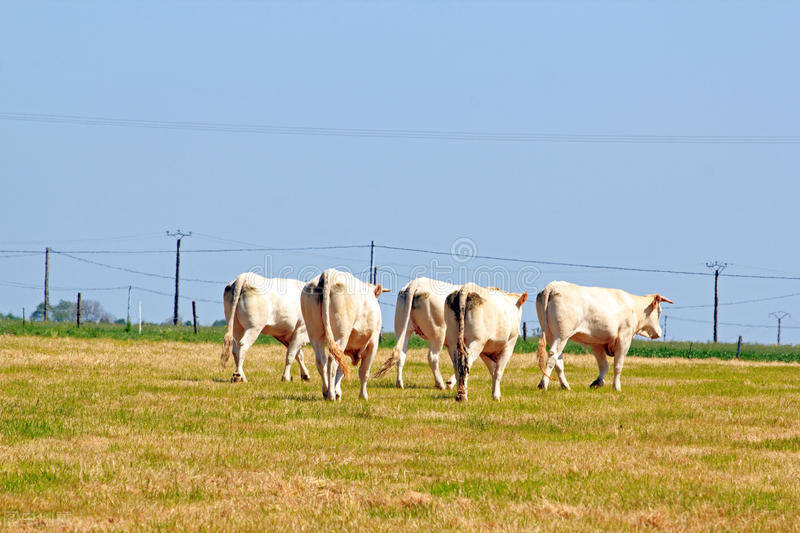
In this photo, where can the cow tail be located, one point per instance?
(544, 298)
(400, 335)
(462, 357)
(227, 343)
(336, 351)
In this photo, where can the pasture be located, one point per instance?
(114, 434)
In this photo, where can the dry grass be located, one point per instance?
(109, 434)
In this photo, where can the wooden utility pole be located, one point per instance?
(372, 262)
(524, 331)
(194, 316)
(128, 319)
(23, 317)
(717, 267)
(78, 311)
(739, 347)
(180, 235)
(665, 328)
(780, 315)
(46, 282)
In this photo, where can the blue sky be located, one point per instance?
(605, 68)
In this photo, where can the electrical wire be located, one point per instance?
(441, 135)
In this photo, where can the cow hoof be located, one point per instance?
(236, 378)
(450, 384)
(441, 386)
(305, 378)
(565, 387)
(541, 385)
(284, 378)
(399, 384)
(596, 384)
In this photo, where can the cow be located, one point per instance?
(255, 305)
(343, 312)
(482, 321)
(604, 320)
(420, 310)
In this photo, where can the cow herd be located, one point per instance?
(339, 310)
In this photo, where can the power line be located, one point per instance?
(737, 324)
(133, 271)
(444, 135)
(739, 302)
(542, 262)
(195, 251)
(88, 239)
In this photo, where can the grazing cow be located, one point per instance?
(343, 311)
(255, 305)
(604, 320)
(420, 310)
(482, 321)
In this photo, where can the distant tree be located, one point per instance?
(65, 311)
(220, 322)
(120, 321)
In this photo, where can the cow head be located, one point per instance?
(650, 325)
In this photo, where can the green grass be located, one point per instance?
(150, 332)
(111, 434)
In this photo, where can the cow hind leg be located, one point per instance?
(292, 349)
(619, 359)
(366, 356)
(556, 349)
(321, 361)
(244, 344)
(474, 350)
(602, 366)
(433, 361)
(499, 369)
(401, 361)
(304, 375)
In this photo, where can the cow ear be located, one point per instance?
(522, 299)
(660, 299)
(378, 290)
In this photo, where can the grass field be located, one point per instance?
(153, 332)
(111, 434)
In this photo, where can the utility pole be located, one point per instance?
(46, 281)
(717, 267)
(78, 311)
(180, 235)
(372, 262)
(665, 328)
(780, 315)
(128, 320)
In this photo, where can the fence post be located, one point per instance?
(23, 317)
(739, 347)
(194, 316)
(524, 331)
(78, 311)
(140, 317)
(690, 350)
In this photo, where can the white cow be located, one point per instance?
(255, 305)
(420, 310)
(482, 321)
(343, 311)
(604, 320)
